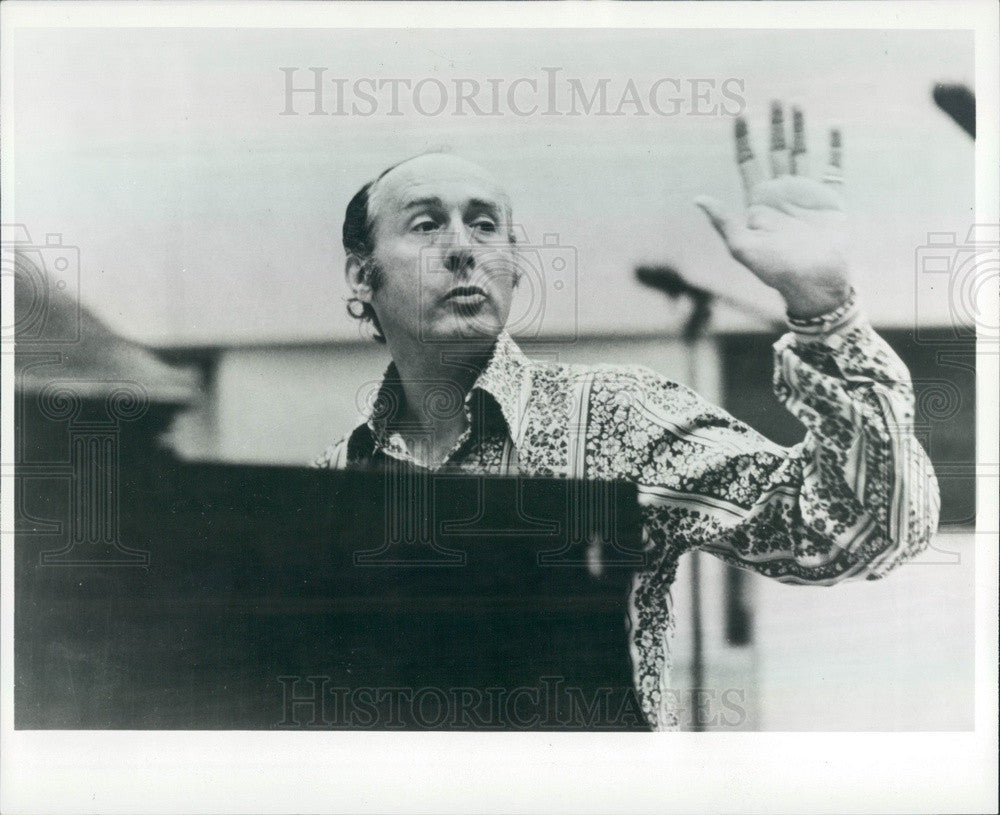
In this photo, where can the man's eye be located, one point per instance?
(485, 226)
(425, 226)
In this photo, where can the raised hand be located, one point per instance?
(793, 232)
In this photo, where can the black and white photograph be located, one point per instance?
(499, 407)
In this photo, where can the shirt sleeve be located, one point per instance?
(855, 498)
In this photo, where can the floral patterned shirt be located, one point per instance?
(854, 499)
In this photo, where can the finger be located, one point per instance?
(800, 161)
(779, 147)
(750, 171)
(834, 170)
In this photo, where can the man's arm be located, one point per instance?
(854, 499)
(858, 495)
(855, 397)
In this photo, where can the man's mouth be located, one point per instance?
(466, 295)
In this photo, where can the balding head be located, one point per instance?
(403, 183)
(421, 177)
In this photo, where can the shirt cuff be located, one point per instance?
(842, 318)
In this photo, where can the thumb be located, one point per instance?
(717, 214)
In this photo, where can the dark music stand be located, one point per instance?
(290, 598)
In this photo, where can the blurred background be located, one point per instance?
(198, 230)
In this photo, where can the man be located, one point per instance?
(431, 261)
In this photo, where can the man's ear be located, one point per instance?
(358, 279)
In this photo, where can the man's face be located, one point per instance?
(441, 235)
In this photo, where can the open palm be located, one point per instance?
(792, 234)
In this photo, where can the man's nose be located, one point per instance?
(457, 251)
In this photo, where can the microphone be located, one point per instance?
(959, 103)
(668, 281)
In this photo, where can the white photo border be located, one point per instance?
(148, 771)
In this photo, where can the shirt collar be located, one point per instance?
(506, 378)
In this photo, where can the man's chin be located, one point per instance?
(471, 333)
